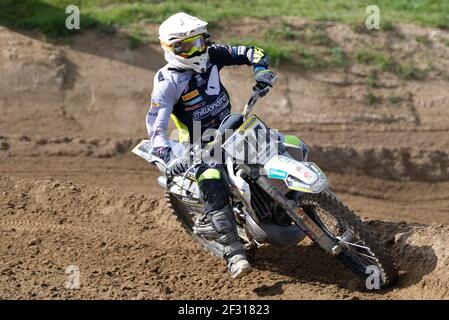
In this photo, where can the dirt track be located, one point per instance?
(129, 246)
(72, 194)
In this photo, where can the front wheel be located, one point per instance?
(360, 250)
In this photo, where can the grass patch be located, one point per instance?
(408, 71)
(49, 15)
(317, 35)
(360, 27)
(384, 62)
(386, 25)
(338, 57)
(284, 32)
(394, 99)
(308, 47)
(273, 49)
(297, 54)
(312, 34)
(372, 99)
(307, 58)
(319, 58)
(424, 40)
(376, 58)
(372, 78)
(40, 15)
(137, 37)
(134, 42)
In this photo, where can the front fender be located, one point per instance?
(300, 176)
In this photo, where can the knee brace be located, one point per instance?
(224, 224)
(213, 188)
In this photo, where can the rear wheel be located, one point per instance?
(181, 211)
(361, 252)
(185, 215)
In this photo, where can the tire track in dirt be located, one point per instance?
(126, 249)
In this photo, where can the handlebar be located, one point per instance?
(251, 102)
(198, 156)
(253, 99)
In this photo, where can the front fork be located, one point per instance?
(310, 228)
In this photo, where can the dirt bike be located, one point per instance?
(277, 200)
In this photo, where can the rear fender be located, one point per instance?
(144, 150)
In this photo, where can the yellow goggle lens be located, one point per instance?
(189, 46)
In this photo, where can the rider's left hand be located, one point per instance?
(264, 81)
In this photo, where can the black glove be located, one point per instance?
(264, 81)
(177, 166)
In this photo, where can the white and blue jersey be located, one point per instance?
(186, 96)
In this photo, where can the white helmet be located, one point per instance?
(173, 32)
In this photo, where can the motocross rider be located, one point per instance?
(187, 90)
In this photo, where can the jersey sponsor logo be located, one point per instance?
(212, 109)
(213, 84)
(199, 105)
(160, 76)
(256, 55)
(190, 95)
(194, 101)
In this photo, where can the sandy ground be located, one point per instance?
(71, 193)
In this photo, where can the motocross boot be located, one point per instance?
(224, 224)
